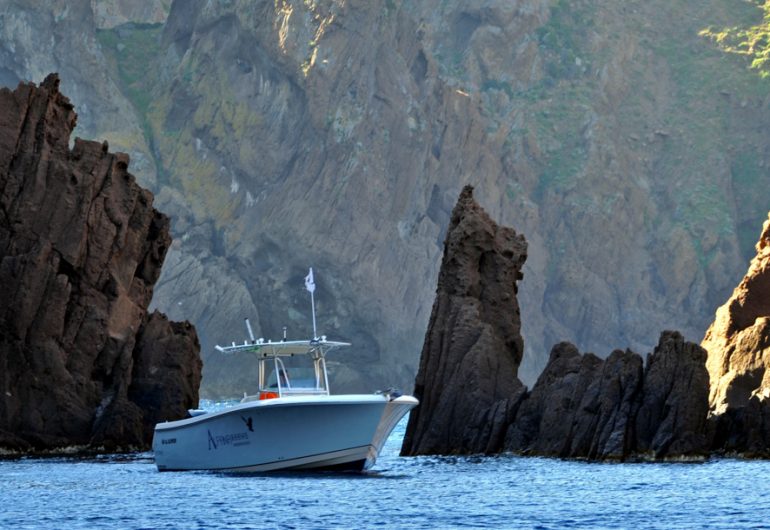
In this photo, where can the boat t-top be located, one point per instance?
(292, 422)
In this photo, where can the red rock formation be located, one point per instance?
(583, 407)
(80, 250)
(467, 382)
(544, 421)
(471, 400)
(738, 345)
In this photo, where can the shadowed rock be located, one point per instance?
(580, 407)
(545, 419)
(672, 417)
(471, 400)
(583, 407)
(467, 381)
(738, 345)
(81, 248)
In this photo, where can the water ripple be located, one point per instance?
(506, 491)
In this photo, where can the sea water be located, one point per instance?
(127, 491)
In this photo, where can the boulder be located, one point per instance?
(467, 381)
(603, 425)
(81, 248)
(544, 422)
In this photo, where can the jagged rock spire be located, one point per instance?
(467, 381)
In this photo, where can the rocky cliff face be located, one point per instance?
(467, 383)
(548, 115)
(41, 36)
(112, 13)
(738, 343)
(338, 134)
(81, 247)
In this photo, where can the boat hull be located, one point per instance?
(326, 432)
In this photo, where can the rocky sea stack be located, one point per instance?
(81, 361)
(467, 383)
(582, 406)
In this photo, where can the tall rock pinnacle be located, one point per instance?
(81, 247)
(467, 381)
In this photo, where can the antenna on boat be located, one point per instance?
(310, 286)
(251, 333)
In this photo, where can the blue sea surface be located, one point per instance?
(127, 491)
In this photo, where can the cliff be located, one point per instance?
(575, 119)
(467, 383)
(81, 247)
(346, 130)
(738, 343)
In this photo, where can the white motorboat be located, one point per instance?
(292, 422)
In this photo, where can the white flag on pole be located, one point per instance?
(309, 283)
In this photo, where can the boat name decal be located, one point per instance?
(238, 438)
(167, 441)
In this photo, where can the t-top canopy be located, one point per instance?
(283, 348)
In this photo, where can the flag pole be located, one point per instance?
(312, 305)
(310, 286)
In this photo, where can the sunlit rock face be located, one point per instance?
(81, 247)
(467, 383)
(738, 343)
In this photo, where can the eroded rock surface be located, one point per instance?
(584, 407)
(303, 118)
(672, 416)
(81, 247)
(738, 345)
(467, 382)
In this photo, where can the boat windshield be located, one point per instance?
(298, 374)
(292, 375)
(288, 368)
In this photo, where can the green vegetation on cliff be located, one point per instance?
(133, 50)
(749, 38)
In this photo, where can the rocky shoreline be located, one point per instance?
(686, 401)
